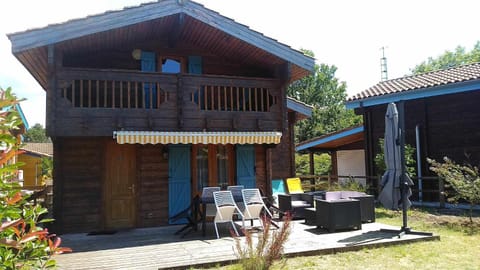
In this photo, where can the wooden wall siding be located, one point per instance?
(79, 174)
(454, 127)
(261, 169)
(281, 158)
(100, 102)
(152, 171)
(448, 124)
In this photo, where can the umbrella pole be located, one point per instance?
(403, 182)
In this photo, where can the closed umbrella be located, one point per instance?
(395, 182)
(394, 179)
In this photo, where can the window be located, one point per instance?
(213, 165)
(171, 65)
(202, 167)
(222, 165)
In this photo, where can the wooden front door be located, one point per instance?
(120, 185)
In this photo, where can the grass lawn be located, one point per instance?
(458, 248)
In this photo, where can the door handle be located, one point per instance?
(132, 188)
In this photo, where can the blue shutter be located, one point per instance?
(148, 65)
(195, 67)
(195, 64)
(245, 156)
(179, 184)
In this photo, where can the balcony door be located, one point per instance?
(213, 165)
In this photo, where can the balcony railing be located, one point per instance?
(137, 90)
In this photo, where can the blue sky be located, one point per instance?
(344, 33)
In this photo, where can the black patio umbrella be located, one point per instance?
(394, 179)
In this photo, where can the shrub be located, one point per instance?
(269, 248)
(24, 244)
(410, 162)
(349, 184)
(463, 179)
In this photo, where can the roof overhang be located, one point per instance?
(164, 137)
(303, 110)
(415, 94)
(332, 141)
(31, 46)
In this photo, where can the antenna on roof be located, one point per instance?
(383, 65)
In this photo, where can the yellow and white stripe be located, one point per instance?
(164, 137)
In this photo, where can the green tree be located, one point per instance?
(36, 134)
(410, 163)
(323, 164)
(327, 95)
(449, 59)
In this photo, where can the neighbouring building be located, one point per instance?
(441, 119)
(346, 150)
(32, 158)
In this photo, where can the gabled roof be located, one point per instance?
(447, 81)
(333, 140)
(30, 46)
(41, 149)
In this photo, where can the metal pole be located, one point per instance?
(403, 183)
(419, 164)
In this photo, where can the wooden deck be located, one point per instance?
(159, 248)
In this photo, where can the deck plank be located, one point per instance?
(159, 248)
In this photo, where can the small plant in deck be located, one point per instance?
(463, 179)
(269, 248)
(24, 244)
(349, 184)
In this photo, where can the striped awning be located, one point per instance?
(160, 137)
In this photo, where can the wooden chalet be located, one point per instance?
(149, 104)
(440, 109)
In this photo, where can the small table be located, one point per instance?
(338, 214)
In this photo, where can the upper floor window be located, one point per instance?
(171, 65)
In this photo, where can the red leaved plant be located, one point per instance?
(24, 244)
(268, 248)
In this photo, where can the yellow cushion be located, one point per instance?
(294, 185)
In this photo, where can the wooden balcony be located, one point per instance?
(97, 102)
